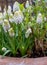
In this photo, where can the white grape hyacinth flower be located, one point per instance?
(11, 32)
(1, 18)
(6, 25)
(27, 4)
(9, 10)
(28, 32)
(4, 13)
(11, 19)
(16, 6)
(4, 49)
(39, 18)
(18, 17)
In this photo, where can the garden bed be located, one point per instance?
(23, 33)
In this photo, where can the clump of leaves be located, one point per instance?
(23, 28)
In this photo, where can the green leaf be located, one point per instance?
(6, 53)
(21, 7)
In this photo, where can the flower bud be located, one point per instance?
(27, 4)
(6, 25)
(11, 32)
(4, 49)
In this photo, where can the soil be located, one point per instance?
(34, 54)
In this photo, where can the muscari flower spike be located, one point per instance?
(16, 6)
(18, 17)
(11, 19)
(39, 18)
(6, 25)
(9, 10)
(28, 32)
(11, 32)
(27, 4)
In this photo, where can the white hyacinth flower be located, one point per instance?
(1, 18)
(16, 6)
(18, 17)
(11, 32)
(11, 19)
(4, 9)
(6, 25)
(9, 10)
(4, 49)
(28, 32)
(39, 18)
(4, 12)
(27, 4)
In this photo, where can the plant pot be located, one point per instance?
(23, 61)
